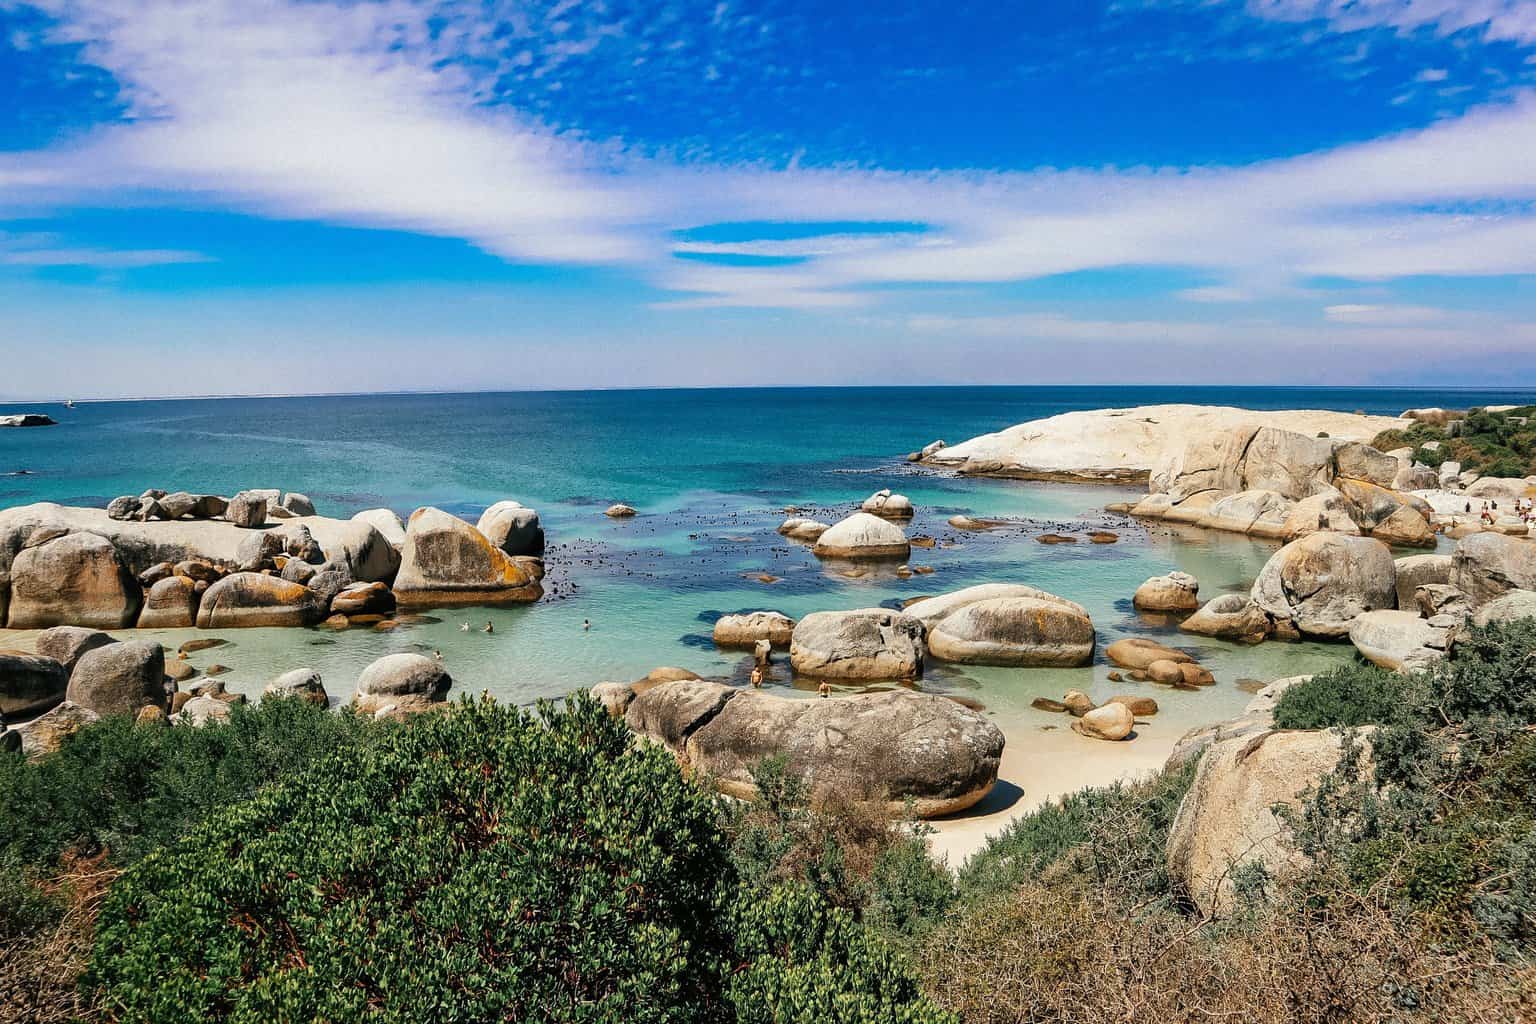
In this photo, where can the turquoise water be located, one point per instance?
(710, 472)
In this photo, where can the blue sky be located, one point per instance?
(292, 196)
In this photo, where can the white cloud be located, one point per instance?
(1355, 313)
(373, 115)
(1495, 19)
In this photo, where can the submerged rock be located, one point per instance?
(1139, 653)
(887, 505)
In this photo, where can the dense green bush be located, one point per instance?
(1350, 695)
(483, 864)
(489, 863)
(1492, 443)
(130, 788)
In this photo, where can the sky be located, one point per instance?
(318, 196)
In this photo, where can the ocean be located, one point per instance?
(710, 472)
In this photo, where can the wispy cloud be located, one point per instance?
(379, 114)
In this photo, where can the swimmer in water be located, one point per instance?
(825, 689)
(757, 676)
(488, 627)
(586, 624)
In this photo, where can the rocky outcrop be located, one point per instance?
(247, 510)
(390, 526)
(299, 684)
(1414, 571)
(1322, 582)
(68, 644)
(887, 505)
(1256, 513)
(171, 604)
(1227, 818)
(1229, 617)
(1174, 592)
(1398, 640)
(1507, 607)
(747, 629)
(401, 683)
(512, 528)
(1128, 444)
(120, 678)
(29, 684)
(863, 536)
(868, 644)
(895, 746)
(46, 733)
(1038, 629)
(620, 511)
(246, 599)
(808, 530)
(447, 562)
(1486, 565)
(74, 579)
(27, 419)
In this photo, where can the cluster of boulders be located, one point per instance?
(78, 676)
(1399, 613)
(1269, 482)
(181, 560)
(871, 533)
(250, 509)
(1113, 720)
(909, 750)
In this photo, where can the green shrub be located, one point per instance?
(1351, 695)
(483, 864)
(1113, 835)
(808, 963)
(488, 863)
(128, 788)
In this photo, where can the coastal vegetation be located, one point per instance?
(296, 864)
(1494, 443)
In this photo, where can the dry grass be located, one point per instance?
(40, 972)
(1062, 952)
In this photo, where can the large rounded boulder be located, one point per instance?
(1486, 565)
(120, 678)
(1229, 617)
(1035, 630)
(447, 562)
(1173, 592)
(1401, 641)
(746, 629)
(67, 644)
(863, 535)
(867, 644)
(170, 604)
(299, 684)
(1324, 580)
(1227, 819)
(894, 747)
(1415, 571)
(76, 579)
(401, 683)
(512, 528)
(29, 684)
(245, 599)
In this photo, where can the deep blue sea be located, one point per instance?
(710, 472)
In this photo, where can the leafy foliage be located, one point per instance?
(487, 863)
(130, 788)
(1492, 443)
(1350, 695)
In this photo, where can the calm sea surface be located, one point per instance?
(710, 472)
